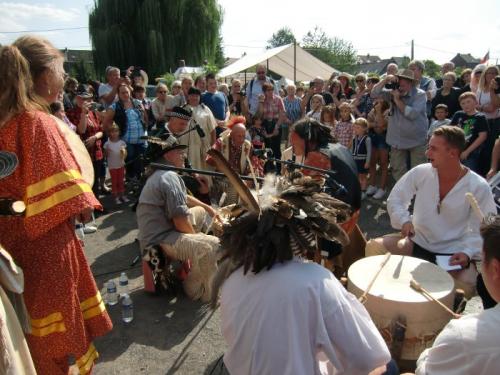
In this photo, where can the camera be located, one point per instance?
(497, 80)
(392, 86)
(263, 153)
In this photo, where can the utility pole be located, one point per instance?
(412, 50)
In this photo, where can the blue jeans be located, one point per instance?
(133, 162)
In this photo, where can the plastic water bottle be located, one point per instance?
(127, 309)
(123, 284)
(112, 295)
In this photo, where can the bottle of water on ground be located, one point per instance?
(123, 284)
(111, 293)
(127, 309)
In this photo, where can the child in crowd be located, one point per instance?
(343, 130)
(116, 152)
(361, 151)
(441, 114)
(257, 132)
(317, 102)
(257, 135)
(475, 127)
(328, 116)
(377, 124)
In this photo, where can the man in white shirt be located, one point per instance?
(281, 315)
(471, 344)
(443, 222)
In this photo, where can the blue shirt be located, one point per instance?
(217, 102)
(135, 129)
(292, 108)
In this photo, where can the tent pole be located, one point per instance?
(245, 77)
(294, 62)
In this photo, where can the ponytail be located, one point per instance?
(17, 94)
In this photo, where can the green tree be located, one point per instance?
(281, 37)
(155, 34)
(336, 52)
(432, 69)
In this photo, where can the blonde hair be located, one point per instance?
(16, 74)
(361, 122)
(482, 80)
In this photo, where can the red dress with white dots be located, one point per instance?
(64, 304)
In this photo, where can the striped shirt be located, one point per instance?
(292, 108)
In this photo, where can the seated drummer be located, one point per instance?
(471, 344)
(443, 222)
(170, 218)
(237, 151)
(282, 315)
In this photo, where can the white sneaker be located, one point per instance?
(371, 190)
(379, 194)
(88, 229)
(363, 195)
(124, 199)
(118, 201)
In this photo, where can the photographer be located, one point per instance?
(108, 91)
(89, 127)
(407, 127)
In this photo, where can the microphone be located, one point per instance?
(199, 130)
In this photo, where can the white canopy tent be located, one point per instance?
(289, 61)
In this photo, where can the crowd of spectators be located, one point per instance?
(401, 109)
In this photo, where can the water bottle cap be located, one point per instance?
(125, 296)
(123, 274)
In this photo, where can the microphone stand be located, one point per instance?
(167, 167)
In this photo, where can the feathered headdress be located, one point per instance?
(289, 224)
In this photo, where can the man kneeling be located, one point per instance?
(164, 219)
(443, 222)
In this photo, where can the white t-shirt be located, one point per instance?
(104, 89)
(469, 345)
(296, 319)
(484, 98)
(114, 156)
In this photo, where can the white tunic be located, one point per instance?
(469, 345)
(455, 228)
(296, 319)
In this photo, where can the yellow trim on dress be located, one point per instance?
(57, 198)
(90, 302)
(52, 181)
(94, 311)
(86, 361)
(52, 323)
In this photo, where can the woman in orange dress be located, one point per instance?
(65, 307)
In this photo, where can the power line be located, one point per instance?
(43, 31)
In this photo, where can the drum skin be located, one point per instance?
(391, 296)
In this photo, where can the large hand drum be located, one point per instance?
(391, 296)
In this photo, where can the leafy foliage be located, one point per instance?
(432, 69)
(281, 37)
(155, 34)
(334, 51)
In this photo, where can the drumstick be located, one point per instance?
(419, 288)
(475, 206)
(363, 298)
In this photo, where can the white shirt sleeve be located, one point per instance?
(355, 345)
(446, 356)
(400, 197)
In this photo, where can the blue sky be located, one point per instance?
(440, 28)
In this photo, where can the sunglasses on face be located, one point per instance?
(162, 92)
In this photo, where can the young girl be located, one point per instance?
(257, 135)
(343, 130)
(328, 117)
(361, 151)
(317, 102)
(116, 152)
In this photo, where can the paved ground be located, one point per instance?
(168, 335)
